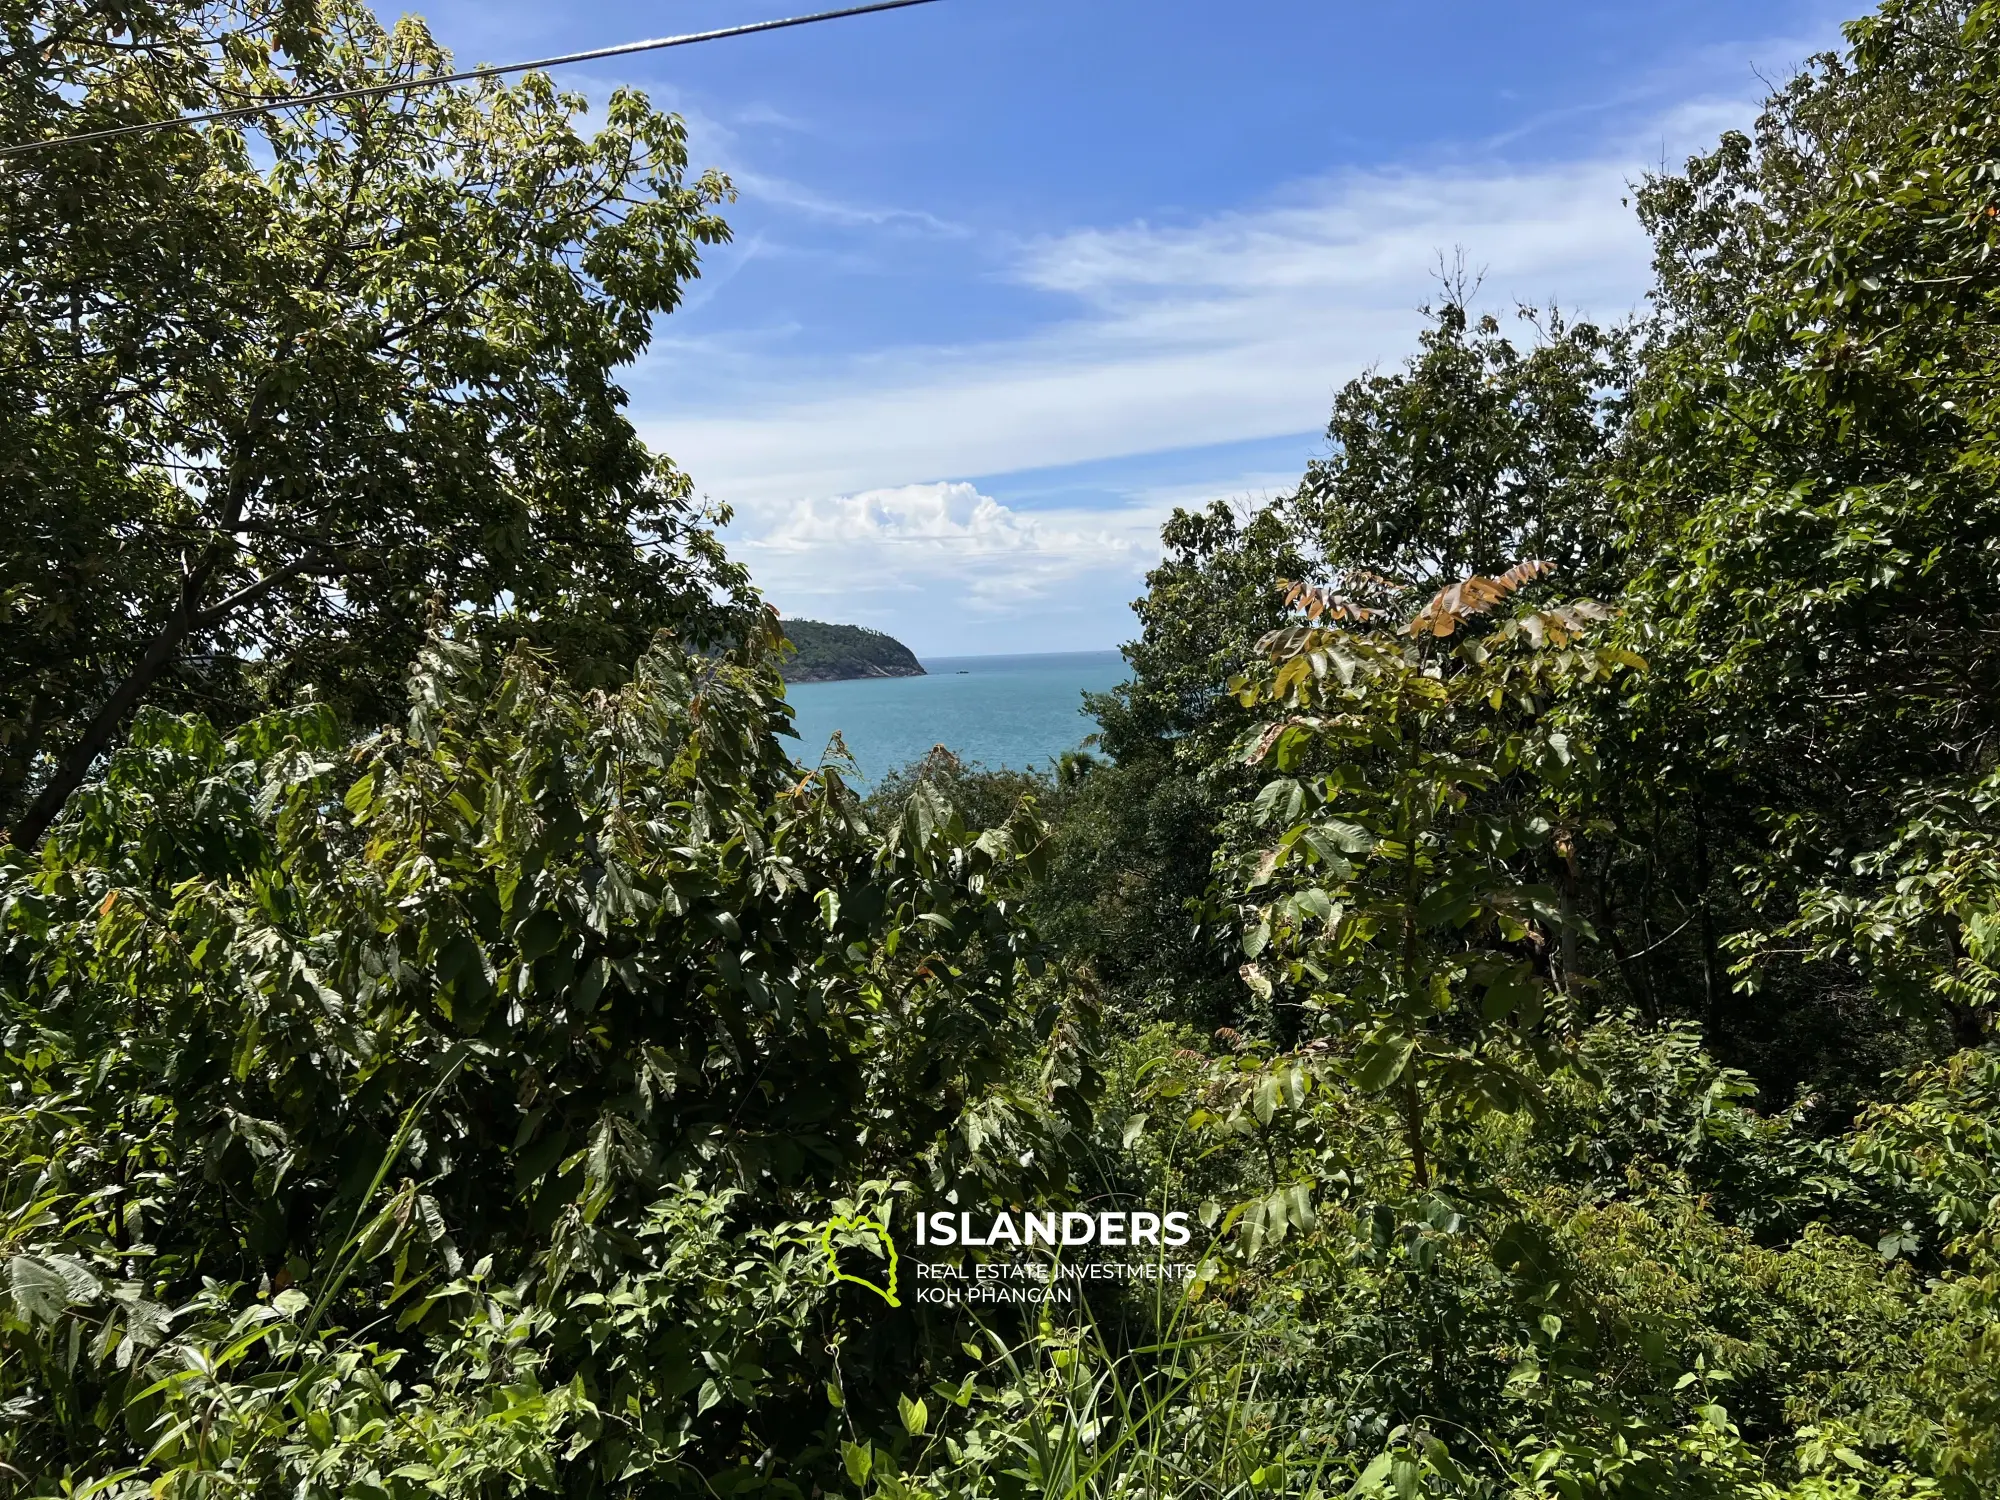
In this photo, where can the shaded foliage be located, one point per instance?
(1813, 496)
(346, 1046)
(1131, 859)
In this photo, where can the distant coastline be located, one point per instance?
(844, 653)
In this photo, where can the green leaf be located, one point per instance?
(44, 1286)
(1294, 1080)
(1332, 837)
(1282, 801)
(1381, 1061)
(1508, 993)
(360, 798)
(1370, 1479)
(859, 1460)
(1257, 939)
(1266, 1098)
(538, 935)
(1298, 1200)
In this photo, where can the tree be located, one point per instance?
(1213, 596)
(984, 798)
(1129, 867)
(1812, 484)
(278, 393)
(1475, 453)
(1398, 879)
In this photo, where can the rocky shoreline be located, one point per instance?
(853, 672)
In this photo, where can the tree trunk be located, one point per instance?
(1710, 991)
(1413, 1126)
(96, 737)
(157, 660)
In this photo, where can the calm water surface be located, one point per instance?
(1015, 711)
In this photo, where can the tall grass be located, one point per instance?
(1165, 1396)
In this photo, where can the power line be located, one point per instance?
(413, 84)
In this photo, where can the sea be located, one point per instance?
(1016, 712)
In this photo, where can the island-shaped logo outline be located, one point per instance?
(855, 1224)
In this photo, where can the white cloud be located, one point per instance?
(893, 549)
(1234, 327)
(780, 192)
(1237, 327)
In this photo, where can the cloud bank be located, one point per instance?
(1238, 327)
(944, 546)
(1242, 325)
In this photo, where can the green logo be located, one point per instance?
(841, 1224)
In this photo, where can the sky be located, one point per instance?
(1011, 279)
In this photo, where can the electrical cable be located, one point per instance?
(410, 85)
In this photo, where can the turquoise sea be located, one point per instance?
(1014, 711)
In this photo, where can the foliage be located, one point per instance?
(1394, 876)
(1917, 918)
(983, 797)
(491, 1061)
(1129, 866)
(1939, 1144)
(1608, 1105)
(1703, 1247)
(1476, 453)
(1213, 596)
(277, 388)
(1513, 1338)
(1812, 487)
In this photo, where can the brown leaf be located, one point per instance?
(1264, 743)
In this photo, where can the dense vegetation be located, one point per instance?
(833, 653)
(1538, 903)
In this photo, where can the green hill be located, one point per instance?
(835, 653)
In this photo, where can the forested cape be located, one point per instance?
(835, 653)
(1536, 902)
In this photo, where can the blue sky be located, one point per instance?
(1012, 278)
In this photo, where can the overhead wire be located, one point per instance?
(410, 85)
